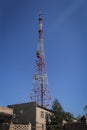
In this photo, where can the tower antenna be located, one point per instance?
(40, 92)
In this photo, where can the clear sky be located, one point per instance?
(65, 43)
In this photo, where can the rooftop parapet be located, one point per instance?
(5, 110)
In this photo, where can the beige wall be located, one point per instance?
(41, 121)
(6, 110)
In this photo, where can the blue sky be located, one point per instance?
(65, 43)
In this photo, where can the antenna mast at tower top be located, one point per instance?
(40, 92)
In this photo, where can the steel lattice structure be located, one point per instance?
(40, 92)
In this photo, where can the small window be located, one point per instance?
(42, 114)
(46, 115)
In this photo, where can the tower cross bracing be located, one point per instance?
(40, 91)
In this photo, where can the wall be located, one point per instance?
(4, 126)
(42, 115)
(24, 113)
(75, 126)
(6, 110)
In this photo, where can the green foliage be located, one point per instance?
(57, 106)
(59, 115)
(85, 109)
(68, 116)
(78, 117)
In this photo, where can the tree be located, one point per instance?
(56, 117)
(85, 109)
(56, 107)
(68, 116)
(59, 115)
(78, 117)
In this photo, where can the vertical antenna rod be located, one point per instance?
(40, 46)
(41, 51)
(40, 27)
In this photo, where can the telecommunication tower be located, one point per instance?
(40, 91)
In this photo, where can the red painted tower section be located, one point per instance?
(40, 92)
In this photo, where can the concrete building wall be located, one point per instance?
(4, 126)
(30, 112)
(25, 113)
(42, 116)
(6, 110)
(80, 125)
(5, 117)
(75, 126)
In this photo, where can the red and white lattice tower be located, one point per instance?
(40, 92)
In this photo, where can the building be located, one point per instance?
(5, 117)
(26, 113)
(79, 125)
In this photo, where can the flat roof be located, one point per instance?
(31, 104)
(44, 108)
(5, 110)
